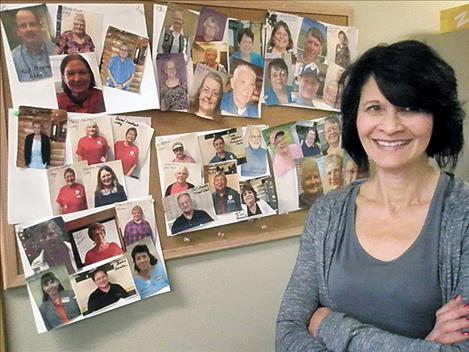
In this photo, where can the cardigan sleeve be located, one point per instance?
(301, 297)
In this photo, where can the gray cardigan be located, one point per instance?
(307, 289)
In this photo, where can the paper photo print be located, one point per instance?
(308, 138)
(279, 77)
(351, 171)
(182, 148)
(66, 188)
(30, 39)
(188, 211)
(172, 81)
(212, 56)
(104, 184)
(281, 33)
(52, 295)
(256, 153)
(258, 197)
(331, 172)
(223, 182)
(95, 238)
(91, 139)
(147, 267)
(77, 83)
(132, 143)
(330, 130)
(41, 137)
(222, 145)
(47, 245)
(245, 42)
(242, 96)
(137, 220)
(104, 287)
(211, 26)
(123, 60)
(179, 177)
(77, 30)
(309, 186)
(206, 92)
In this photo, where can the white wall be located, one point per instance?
(225, 301)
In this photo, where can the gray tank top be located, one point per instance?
(400, 296)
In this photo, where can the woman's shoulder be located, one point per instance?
(457, 198)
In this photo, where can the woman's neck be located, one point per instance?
(172, 82)
(146, 274)
(102, 246)
(252, 208)
(81, 96)
(56, 297)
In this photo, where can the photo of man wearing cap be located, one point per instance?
(180, 155)
(308, 84)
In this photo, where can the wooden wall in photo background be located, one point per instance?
(165, 123)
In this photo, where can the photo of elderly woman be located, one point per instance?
(211, 26)
(71, 196)
(206, 98)
(52, 292)
(92, 147)
(172, 82)
(108, 188)
(149, 274)
(310, 182)
(101, 249)
(252, 204)
(79, 87)
(247, 44)
(281, 40)
(75, 39)
(278, 85)
(181, 173)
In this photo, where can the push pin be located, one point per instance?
(264, 227)
(187, 239)
(221, 234)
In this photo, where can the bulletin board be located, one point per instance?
(166, 123)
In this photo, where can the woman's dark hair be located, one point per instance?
(194, 104)
(343, 33)
(247, 188)
(245, 32)
(277, 63)
(115, 181)
(69, 170)
(409, 74)
(275, 29)
(100, 269)
(63, 65)
(45, 279)
(142, 248)
(93, 228)
(131, 129)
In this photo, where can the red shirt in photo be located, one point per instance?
(92, 149)
(72, 198)
(94, 256)
(127, 154)
(93, 104)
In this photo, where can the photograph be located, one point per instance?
(308, 139)
(256, 153)
(245, 42)
(181, 148)
(77, 84)
(91, 139)
(41, 137)
(47, 245)
(51, 291)
(222, 145)
(281, 33)
(332, 93)
(107, 286)
(223, 182)
(66, 188)
(329, 130)
(104, 183)
(242, 96)
(76, 30)
(123, 59)
(132, 143)
(172, 82)
(331, 172)
(188, 210)
(136, 220)
(179, 177)
(30, 37)
(212, 56)
(258, 197)
(147, 267)
(279, 80)
(310, 185)
(351, 171)
(312, 42)
(342, 45)
(211, 25)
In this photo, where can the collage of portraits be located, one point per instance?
(79, 167)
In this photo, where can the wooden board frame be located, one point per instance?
(228, 236)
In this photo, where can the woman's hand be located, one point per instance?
(316, 320)
(452, 323)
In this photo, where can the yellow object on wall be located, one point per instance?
(454, 19)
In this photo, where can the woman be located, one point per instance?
(245, 40)
(181, 183)
(278, 92)
(37, 147)
(72, 196)
(210, 61)
(151, 277)
(333, 173)
(173, 91)
(252, 205)
(58, 306)
(76, 40)
(310, 183)
(206, 101)
(127, 152)
(101, 249)
(92, 147)
(78, 84)
(211, 30)
(281, 40)
(108, 188)
(342, 51)
(285, 154)
(383, 264)
(310, 145)
(332, 136)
